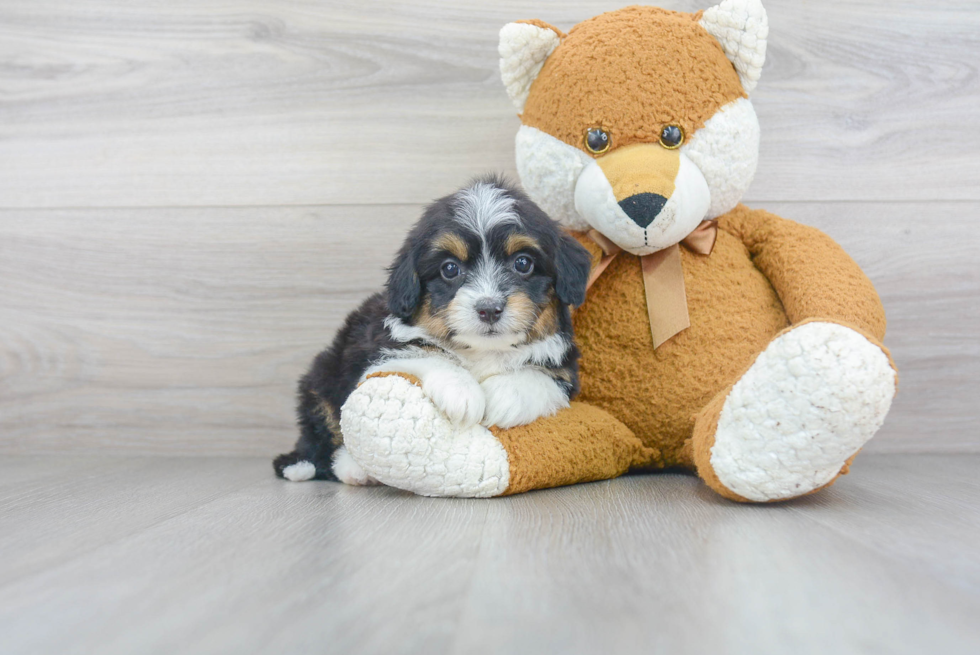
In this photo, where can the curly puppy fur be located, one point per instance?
(476, 308)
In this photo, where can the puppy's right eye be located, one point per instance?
(449, 270)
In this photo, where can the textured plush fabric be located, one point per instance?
(399, 438)
(565, 103)
(781, 376)
(578, 444)
(742, 28)
(813, 275)
(816, 380)
(734, 312)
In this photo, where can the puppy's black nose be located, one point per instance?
(489, 311)
(643, 207)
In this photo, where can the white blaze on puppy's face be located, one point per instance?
(482, 206)
(480, 209)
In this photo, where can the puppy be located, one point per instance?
(476, 308)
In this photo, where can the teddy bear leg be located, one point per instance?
(396, 434)
(795, 420)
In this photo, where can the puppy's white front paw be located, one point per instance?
(457, 394)
(520, 398)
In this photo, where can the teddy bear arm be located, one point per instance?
(812, 275)
(579, 444)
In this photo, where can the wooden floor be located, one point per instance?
(200, 555)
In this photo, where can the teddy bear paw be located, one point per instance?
(399, 438)
(808, 403)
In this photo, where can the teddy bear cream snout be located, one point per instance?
(643, 197)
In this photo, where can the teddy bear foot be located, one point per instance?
(399, 438)
(809, 403)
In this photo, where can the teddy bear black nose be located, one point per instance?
(643, 207)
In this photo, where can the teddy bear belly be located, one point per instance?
(734, 314)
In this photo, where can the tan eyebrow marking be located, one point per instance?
(453, 244)
(517, 242)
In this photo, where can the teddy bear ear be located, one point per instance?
(524, 47)
(741, 26)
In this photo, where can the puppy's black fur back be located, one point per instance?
(331, 378)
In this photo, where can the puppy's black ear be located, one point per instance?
(572, 267)
(404, 287)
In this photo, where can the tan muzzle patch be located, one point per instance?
(641, 168)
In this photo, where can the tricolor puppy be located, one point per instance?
(476, 308)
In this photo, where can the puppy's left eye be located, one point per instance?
(523, 265)
(449, 270)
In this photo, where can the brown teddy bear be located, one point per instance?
(715, 338)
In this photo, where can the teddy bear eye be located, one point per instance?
(671, 137)
(597, 140)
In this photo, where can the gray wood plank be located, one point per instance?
(48, 520)
(312, 102)
(642, 564)
(184, 330)
(659, 564)
(275, 567)
(920, 509)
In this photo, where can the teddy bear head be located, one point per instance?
(637, 123)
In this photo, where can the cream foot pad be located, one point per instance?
(400, 439)
(810, 401)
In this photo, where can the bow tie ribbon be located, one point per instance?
(663, 279)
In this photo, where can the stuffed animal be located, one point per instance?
(715, 338)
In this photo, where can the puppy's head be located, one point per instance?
(486, 268)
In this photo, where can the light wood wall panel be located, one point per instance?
(194, 194)
(114, 103)
(184, 330)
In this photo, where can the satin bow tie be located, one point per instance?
(663, 279)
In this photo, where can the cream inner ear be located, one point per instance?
(523, 49)
(742, 29)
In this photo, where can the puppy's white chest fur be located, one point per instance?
(484, 363)
(493, 386)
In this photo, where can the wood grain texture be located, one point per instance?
(184, 330)
(70, 506)
(642, 564)
(192, 103)
(233, 178)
